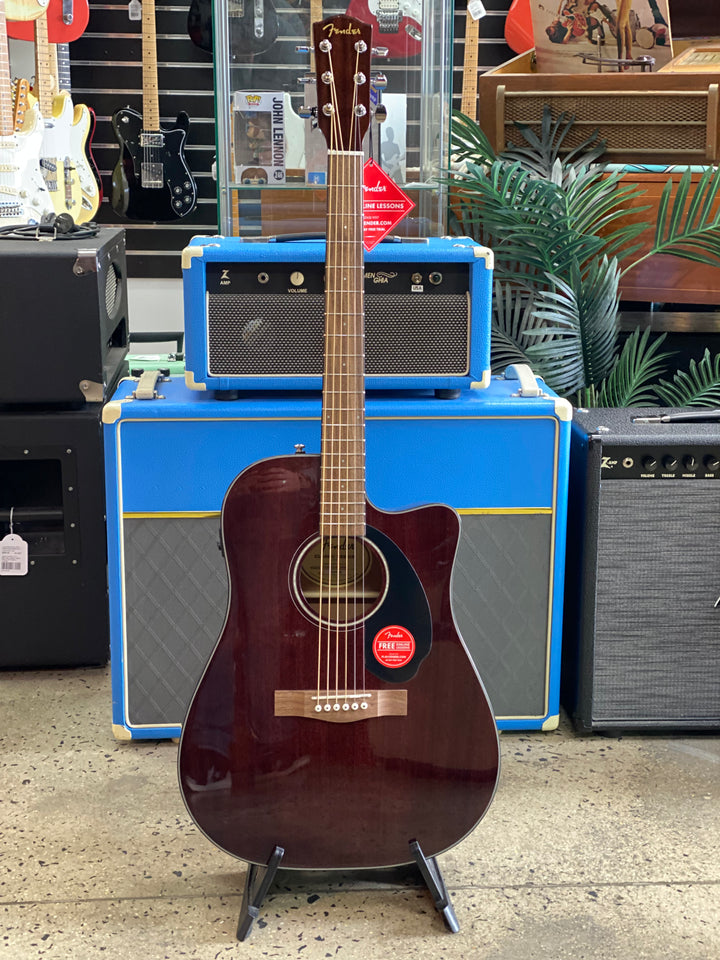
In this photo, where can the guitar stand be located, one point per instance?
(259, 880)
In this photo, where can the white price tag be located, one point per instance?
(134, 10)
(476, 9)
(13, 556)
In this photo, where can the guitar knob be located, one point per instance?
(177, 204)
(177, 189)
(187, 185)
(187, 199)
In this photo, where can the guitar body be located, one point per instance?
(176, 195)
(334, 794)
(518, 27)
(251, 31)
(56, 158)
(82, 133)
(396, 25)
(24, 10)
(24, 197)
(58, 30)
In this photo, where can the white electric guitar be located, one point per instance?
(58, 165)
(23, 195)
(78, 134)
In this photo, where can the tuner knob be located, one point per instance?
(670, 462)
(380, 51)
(649, 462)
(689, 462)
(711, 463)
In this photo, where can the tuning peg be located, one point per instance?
(380, 113)
(379, 51)
(308, 78)
(379, 81)
(304, 48)
(307, 113)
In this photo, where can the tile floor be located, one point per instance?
(594, 849)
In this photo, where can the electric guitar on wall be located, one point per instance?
(468, 101)
(340, 718)
(57, 162)
(518, 27)
(24, 198)
(253, 26)
(81, 132)
(397, 24)
(66, 21)
(151, 179)
(24, 9)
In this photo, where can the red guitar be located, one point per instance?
(66, 21)
(518, 27)
(397, 24)
(340, 717)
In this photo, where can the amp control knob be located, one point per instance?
(711, 463)
(689, 462)
(669, 462)
(649, 462)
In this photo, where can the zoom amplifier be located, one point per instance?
(641, 646)
(254, 314)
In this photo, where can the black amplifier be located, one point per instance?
(254, 314)
(63, 336)
(641, 644)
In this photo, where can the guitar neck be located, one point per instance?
(342, 496)
(468, 103)
(151, 107)
(62, 59)
(44, 60)
(6, 107)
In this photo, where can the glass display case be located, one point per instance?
(271, 159)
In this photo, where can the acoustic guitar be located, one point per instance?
(340, 716)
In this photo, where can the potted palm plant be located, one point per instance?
(557, 223)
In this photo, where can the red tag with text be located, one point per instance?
(384, 204)
(394, 646)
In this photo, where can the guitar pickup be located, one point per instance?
(152, 139)
(151, 175)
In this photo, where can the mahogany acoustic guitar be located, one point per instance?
(340, 716)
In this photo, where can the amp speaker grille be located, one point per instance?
(657, 630)
(282, 335)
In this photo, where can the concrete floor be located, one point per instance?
(594, 848)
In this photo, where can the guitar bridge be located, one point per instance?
(344, 706)
(151, 175)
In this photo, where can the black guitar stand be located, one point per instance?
(259, 879)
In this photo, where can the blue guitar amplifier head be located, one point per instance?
(254, 314)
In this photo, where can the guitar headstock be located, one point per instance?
(342, 63)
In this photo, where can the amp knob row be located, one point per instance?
(670, 463)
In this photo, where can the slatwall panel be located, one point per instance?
(106, 70)
(492, 49)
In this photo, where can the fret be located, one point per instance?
(43, 67)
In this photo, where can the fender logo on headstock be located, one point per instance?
(332, 30)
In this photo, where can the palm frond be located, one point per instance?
(631, 382)
(688, 226)
(468, 141)
(699, 386)
(542, 154)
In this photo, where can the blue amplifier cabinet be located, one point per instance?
(254, 313)
(499, 456)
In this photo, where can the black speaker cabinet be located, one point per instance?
(52, 490)
(641, 645)
(63, 336)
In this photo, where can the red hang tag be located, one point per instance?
(384, 204)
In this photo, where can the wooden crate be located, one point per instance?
(643, 117)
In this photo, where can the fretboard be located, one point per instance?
(44, 60)
(62, 56)
(342, 498)
(151, 108)
(6, 106)
(468, 103)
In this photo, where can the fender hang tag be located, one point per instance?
(13, 556)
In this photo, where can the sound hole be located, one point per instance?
(340, 580)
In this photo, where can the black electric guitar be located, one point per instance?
(253, 26)
(340, 720)
(151, 180)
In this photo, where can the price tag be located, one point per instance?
(135, 10)
(476, 9)
(13, 556)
